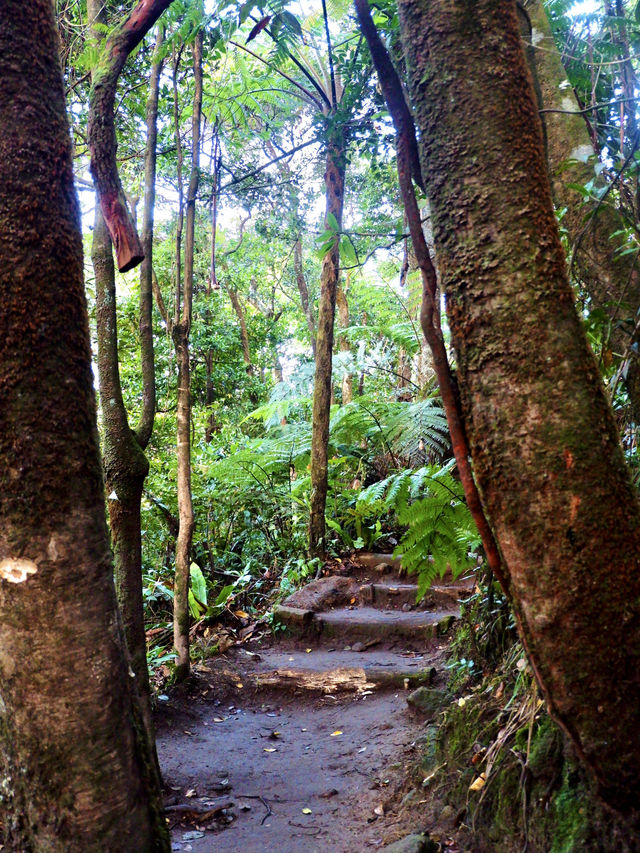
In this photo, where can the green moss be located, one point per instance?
(533, 768)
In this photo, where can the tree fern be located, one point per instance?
(440, 531)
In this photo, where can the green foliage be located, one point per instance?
(440, 532)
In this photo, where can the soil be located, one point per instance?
(278, 754)
(298, 744)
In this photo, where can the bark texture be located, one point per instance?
(75, 771)
(611, 280)
(543, 440)
(334, 181)
(430, 305)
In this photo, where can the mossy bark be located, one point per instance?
(334, 181)
(543, 439)
(74, 765)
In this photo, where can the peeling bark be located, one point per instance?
(542, 435)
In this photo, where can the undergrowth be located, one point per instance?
(497, 774)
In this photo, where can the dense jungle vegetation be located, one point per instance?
(359, 278)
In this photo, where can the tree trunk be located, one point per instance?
(543, 440)
(101, 130)
(334, 180)
(611, 280)
(303, 290)
(147, 416)
(125, 465)
(343, 321)
(125, 469)
(181, 330)
(77, 772)
(244, 334)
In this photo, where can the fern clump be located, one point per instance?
(440, 534)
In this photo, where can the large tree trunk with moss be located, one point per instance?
(77, 773)
(543, 440)
(611, 280)
(181, 331)
(125, 465)
(334, 180)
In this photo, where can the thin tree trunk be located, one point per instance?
(181, 330)
(77, 773)
(543, 439)
(125, 465)
(303, 290)
(147, 416)
(244, 335)
(343, 322)
(611, 280)
(334, 179)
(216, 163)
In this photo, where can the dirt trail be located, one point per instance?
(297, 745)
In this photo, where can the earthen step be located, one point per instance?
(368, 623)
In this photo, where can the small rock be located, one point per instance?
(411, 799)
(358, 647)
(412, 844)
(447, 813)
(406, 607)
(428, 700)
(383, 568)
(192, 836)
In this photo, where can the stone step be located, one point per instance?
(389, 594)
(367, 623)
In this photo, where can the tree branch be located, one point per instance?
(102, 133)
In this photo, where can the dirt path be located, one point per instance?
(298, 746)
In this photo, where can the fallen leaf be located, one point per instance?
(306, 811)
(478, 783)
(336, 733)
(218, 719)
(240, 614)
(379, 810)
(239, 684)
(274, 735)
(191, 793)
(308, 651)
(363, 749)
(267, 749)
